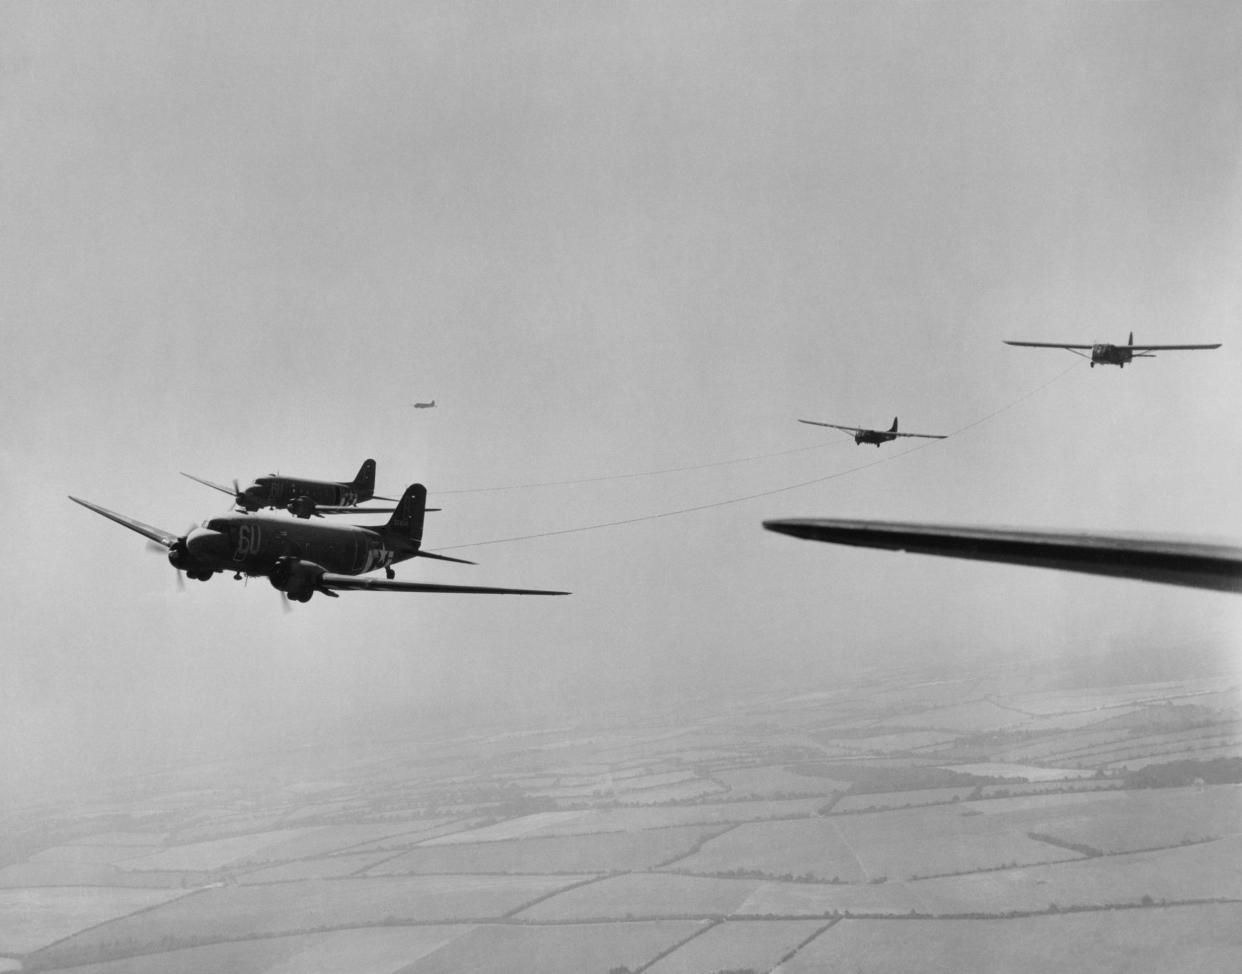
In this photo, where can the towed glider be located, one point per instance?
(1118, 355)
(877, 437)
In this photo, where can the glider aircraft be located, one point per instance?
(301, 558)
(877, 437)
(1192, 564)
(424, 405)
(1118, 355)
(303, 497)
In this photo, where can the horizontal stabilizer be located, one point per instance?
(432, 554)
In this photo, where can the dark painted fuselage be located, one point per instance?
(253, 544)
(872, 436)
(1104, 354)
(277, 491)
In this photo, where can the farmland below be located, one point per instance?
(899, 820)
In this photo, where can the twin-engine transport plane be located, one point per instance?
(877, 437)
(303, 497)
(1118, 355)
(301, 558)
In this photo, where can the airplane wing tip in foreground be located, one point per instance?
(158, 535)
(1172, 562)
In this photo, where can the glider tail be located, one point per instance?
(893, 428)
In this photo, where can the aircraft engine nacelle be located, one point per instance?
(296, 578)
(302, 507)
(179, 555)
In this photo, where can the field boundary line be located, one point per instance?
(698, 846)
(798, 949)
(710, 924)
(512, 914)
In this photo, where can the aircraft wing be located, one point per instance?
(207, 483)
(351, 583)
(847, 429)
(166, 538)
(921, 436)
(1193, 564)
(1049, 345)
(330, 509)
(1166, 348)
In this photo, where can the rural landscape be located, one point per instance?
(1019, 818)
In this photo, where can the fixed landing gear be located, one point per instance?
(389, 574)
(200, 576)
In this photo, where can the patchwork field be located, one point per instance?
(377, 950)
(644, 895)
(34, 917)
(609, 851)
(755, 944)
(1190, 940)
(899, 799)
(329, 867)
(867, 848)
(1151, 818)
(498, 849)
(214, 853)
(570, 949)
(1207, 871)
(93, 854)
(74, 874)
(770, 782)
(230, 913)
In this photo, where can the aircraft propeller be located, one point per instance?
(175, 552)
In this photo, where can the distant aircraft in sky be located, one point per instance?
(301, 558)
(424, 405)
(1193, 564)
(877, 437)
(1118, 355)
(304, 497)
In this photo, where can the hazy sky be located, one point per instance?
(607, 238)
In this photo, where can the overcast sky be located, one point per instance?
(607, 238)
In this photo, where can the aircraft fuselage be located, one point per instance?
(1104, 354)
(257, 544)
(872, 436)
(283, 492)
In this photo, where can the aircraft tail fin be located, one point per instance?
(1131, 341)
(407, 519)
(364, 483)
(893, 428)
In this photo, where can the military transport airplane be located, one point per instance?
(1118, 355)
(424, 405)
(303, 497)
(1193, 564)
(877, 437)
(301, 558)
